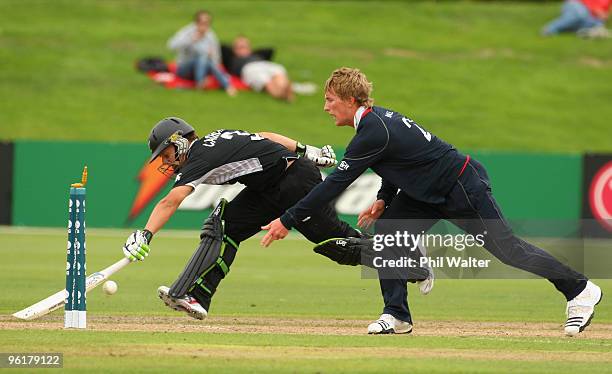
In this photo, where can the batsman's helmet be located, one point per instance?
(159, 138)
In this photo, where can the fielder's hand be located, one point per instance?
(371, 214)
(276, 231)
(137, 245)
(323, 157)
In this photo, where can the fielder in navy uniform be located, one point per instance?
(277, 172)
(424, 180)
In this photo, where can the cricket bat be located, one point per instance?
(57, 300)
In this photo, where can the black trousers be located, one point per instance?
(251, 209)
(470, 206)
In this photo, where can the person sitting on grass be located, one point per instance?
(199, 52)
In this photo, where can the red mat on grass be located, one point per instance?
(171, 80)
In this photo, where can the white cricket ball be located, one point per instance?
(109, 287)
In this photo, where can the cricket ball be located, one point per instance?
(109, 287)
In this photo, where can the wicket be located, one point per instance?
(75, 309)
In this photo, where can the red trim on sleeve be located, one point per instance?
(465, 164)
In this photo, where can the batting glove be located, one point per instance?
(137, 245)
(323, 162)
(323, 157)
(328, 151)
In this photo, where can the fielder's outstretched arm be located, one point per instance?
(362, 152)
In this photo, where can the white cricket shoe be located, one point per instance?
(387, 324)
(187, 303)
(426, 285)
(581, 309)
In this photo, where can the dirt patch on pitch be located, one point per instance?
(273, 325)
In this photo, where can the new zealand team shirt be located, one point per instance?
(230, 156)
(405, 155)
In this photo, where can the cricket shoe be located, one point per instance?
(187, 303)
(387, 324)
(581, 309)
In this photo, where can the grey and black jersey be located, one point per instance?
(230, 156)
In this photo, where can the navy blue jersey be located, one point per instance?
(230, 156)
(405, 155)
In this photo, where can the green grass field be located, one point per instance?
(286, 309)
(475, 73)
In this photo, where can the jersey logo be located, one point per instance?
(178, 177)
(389, 114)
(343, 165)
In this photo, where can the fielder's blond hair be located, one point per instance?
(348, 82)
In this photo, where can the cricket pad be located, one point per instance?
(211, 261)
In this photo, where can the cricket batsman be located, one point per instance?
(424, 179)
(277, 172)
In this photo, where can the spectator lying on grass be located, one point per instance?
(584, 17)
(261, 74)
